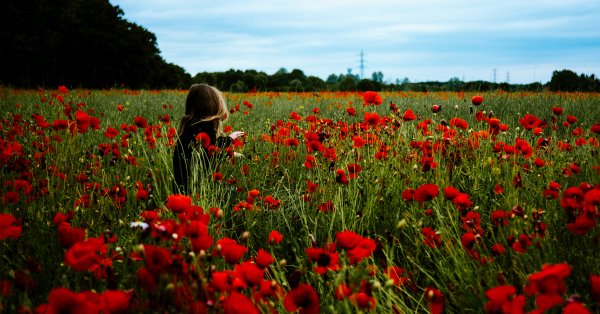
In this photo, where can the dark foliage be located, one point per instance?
(569, 81)
(83, 43)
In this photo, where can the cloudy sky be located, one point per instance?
(521, 41)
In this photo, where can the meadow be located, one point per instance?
(392, 202)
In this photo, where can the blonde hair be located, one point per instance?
(204, 103)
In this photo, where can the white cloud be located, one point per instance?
(429, 40)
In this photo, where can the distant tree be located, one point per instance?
(315, 83)
(377, 77)
(565, 81)
(78, 43)
(366, 85)
(238, 87)
(296, 85)
(348, 83)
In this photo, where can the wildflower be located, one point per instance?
(231, 250)
(409, 115)
(548, 285)
(426, 192)
(304, 298)
(177, 203)
(557, 110)
(203, 139)
(264, 259)
(274, 237)
(372, 98)
(325, 258)
(239, 303)
(9, 227)
(435, 300)
(432, 238)
(85, 255)
(156, 259)
(503, 299)
(476, 100)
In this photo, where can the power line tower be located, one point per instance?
(494, 75)
(507, 77)
(362, 65)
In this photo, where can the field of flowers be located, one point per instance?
(343, 202)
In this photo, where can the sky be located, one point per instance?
(511, 41)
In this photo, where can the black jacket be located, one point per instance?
(187, 143)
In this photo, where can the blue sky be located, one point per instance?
(524, 41)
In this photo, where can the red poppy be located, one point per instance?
(476, 100)
(250, 273)
(462, 201)
(435, 300)
(530, 122)
(347, 239)
(62, 300)
(398, 275)
(204, 139)
(200, 239)
(140, 122)
(264, 259)
(595, 288)
(115, 301)
(86, 254)
(82, 121)
(498, 189)
(177, 203)
(408, 194)
(426, 192)
(363, 249)
(436, 108)
(111, 132)
(271, 202)
(575, 307)
(363, 300)
(238, 303)
(326, 259)
(595, 128)
(303, 298)
(354, 170)
(351, 111)
(432, 238)
(549, 281)
(583, 223)
(340, 176)
(230, 250)
(157, 259)
(372, 98)
(459, 123)
(451, 192)
(68, 235)
(9, 227)
(274, 237)
(310, 162)
(409, 115)
(326, 207)
(571, 119)
(372, 118)
(503, 299)
(357, 141)
(557, 110)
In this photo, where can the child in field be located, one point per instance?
(200, 129)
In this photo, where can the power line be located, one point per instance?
(362, 65)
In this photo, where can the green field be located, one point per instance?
(381, 207)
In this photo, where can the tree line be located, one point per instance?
(88, 43)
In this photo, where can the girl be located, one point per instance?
(201, 128)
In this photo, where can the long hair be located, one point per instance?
(204, 103)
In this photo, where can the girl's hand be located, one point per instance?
(236, 134)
